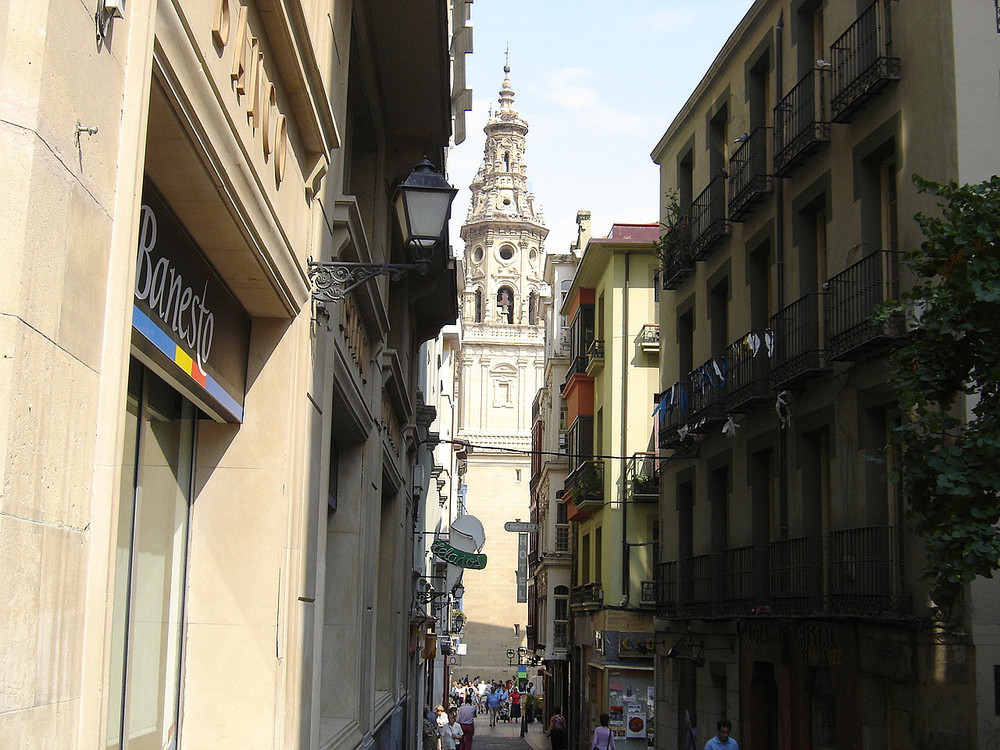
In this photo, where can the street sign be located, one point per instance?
(521, 527)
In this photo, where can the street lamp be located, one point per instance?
(423, 206)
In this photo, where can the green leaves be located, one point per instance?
(950, 364)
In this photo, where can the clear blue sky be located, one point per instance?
(598, 83)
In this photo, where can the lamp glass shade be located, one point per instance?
(423, 206)
(458, 591)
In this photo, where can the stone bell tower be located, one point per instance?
(500, 371)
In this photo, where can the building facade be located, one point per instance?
(207, 496)
(610, 492)
(500, 371)
(789, 596)
(550, 551)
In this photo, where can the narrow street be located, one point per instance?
(507, 736)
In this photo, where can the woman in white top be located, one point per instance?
(603, 739)
(451, 733)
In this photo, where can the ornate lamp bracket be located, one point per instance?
(331, 281)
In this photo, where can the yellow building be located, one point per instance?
(789, 592)
(206, 498)
(610, 494)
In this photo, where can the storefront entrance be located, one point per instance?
(151, 556)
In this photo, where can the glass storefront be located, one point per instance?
(150, 565)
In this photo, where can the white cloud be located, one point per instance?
(570, 90)
(667, 21)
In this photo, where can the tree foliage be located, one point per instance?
(947, 377)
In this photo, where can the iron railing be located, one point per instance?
(749, 362)
(798, 349)
(649, 337)
(856, 573)
(707, 394)
(866, 571)
(585, 485)
(587, 595)
(672, 412)
(595, 354)
(643, 478)
(852, 297)
(801, 122)
(796, 578)
(708, 218)
(862, 61)
(675, 254)
(749, 177)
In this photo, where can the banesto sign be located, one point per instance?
(458, 557)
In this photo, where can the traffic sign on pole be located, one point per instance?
(521, 527)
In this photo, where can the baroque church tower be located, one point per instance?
(500, 371)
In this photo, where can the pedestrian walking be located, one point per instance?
(515, 703)
(722, 740)
(603, 737)
(493, 704)
(466, 718)
(451, 733)
(557, 729)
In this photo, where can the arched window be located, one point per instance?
(479, 306)
(505, 304)
(506, 161)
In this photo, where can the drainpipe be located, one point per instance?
(626, 549)
(779, 243)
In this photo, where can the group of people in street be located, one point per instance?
(453, 727)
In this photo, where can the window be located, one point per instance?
(533, 308)
(477, 254)
(505, 304)
(585, 559)
(506, 252)
(479, 306)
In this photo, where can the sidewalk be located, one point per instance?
(507, 736)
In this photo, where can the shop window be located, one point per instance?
(150, 563)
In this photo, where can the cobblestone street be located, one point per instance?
(507, 736)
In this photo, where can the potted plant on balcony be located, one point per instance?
(643, 485)
(674, 241)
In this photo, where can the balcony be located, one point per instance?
(708, 218)
(707, 399)
(861, 60)
(583, 490)
(595, 357)
(649, 338)
(797, 575)
(643, 478)
(858, 573)
(577, 367)
(587, 596)
(866, 571)
(748, 379)
(750, 179)
(675, 255)
(798, 349)
(672, 415)
(851, 299)
(667, 579)
(801, 123)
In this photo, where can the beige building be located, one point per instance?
(610, 493)
(500, 370)
(206, 475)
(550, 551)
(789, 591)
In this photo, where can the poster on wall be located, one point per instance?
(617, 713)
(635, 724)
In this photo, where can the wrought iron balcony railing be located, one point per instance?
(672, 411)
(707, 394)
(798, 342)
(595, 356)
(649, 338)
(584, 487)
(675, 254)
(851, 299)
(797, 575)
(862, 61)
(749, 362)
(750, 178)
(577, 367)
(643, 478)
(708, 218)
(866, 571)
(586, 596)
(858, 573)
(801, 122)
